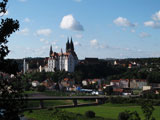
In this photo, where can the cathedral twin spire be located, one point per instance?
(69, 47)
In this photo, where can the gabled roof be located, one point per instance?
(54, 54)
(118, 90)
(115, 80)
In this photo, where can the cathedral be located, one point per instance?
(62, 61)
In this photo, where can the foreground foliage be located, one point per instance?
(11, 91)
(12, 98)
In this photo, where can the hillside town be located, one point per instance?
(121, 76)
(79, 60)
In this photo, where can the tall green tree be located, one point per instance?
(11, 90)
(7, 27)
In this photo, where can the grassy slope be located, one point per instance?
(108, 111)
(47, 115)
(112, 111)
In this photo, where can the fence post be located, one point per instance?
(41, 104)
(99, 101)
(75, 102)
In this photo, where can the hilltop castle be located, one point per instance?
(62, 61)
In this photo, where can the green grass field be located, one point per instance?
(111, 111)
(106, 111)
(48, 115)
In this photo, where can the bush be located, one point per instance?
(123, 115)
(127, 115)
(63, 115)
(41, 88)
(90, 114)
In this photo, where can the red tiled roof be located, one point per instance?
(117, 90)
(124, 79)
(115, 80)
(59, 54)
(66, 79)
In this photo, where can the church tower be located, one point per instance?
(50, 53)
(67, 45)
(71, 45)
(63, 61)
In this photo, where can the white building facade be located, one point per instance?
(62, 61)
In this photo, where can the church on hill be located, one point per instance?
(63, 60)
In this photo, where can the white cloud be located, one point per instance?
(47, 42)
(120, 21)
(27, 20)
(156, 16)
(53, 43)
(133, 31)
(2, 13)
(42, 39)
(94, 42)
(149, 23)
(70, 23)
(24, 31)
(45, 32)
(78, 35)
(152, 24)
(144, 35)
(155, 23)
(55, 47)
(76, 43)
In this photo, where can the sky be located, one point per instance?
(99, 28)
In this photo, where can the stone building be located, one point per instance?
(63, 60)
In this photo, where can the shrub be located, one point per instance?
(41, 88)
(123, 115)
(62, 115)
(127, 115)
(147, 108)
(90, 114)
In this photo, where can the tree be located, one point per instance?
(62, 115)
(11, 90)
(127, 115)
(78, 77)
(11, 98)
(147, 109)
(108, 90)
(7, 27)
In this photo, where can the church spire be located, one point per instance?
(61, 51)
(67, 45)
(71, 45)
(50, 51)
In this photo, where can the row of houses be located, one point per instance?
(69, 84)
(116, 84)
(65, 84)
(129, 83)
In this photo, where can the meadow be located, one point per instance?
(106, 111)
